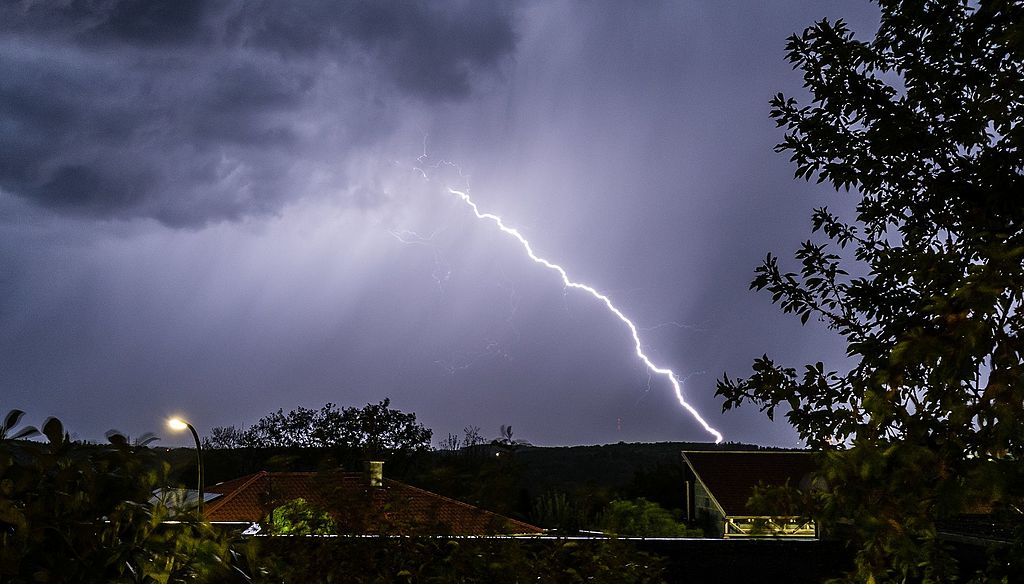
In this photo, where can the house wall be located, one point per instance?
(708, 516)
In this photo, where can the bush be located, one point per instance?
(642, 518)
(495, 561)
(83, 513)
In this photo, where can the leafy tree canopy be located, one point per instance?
(923, 124)
(374, 429)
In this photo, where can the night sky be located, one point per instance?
(219, 209)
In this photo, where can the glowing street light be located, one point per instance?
(177, 424)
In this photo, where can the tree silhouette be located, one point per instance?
(925, 126)
(373, 430)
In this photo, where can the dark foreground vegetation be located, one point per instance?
(72, 512)
(497, 561)
(922, 129)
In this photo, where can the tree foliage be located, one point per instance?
(373, 430)
(434, 559)
(300, 517)
(642, 518)
(71, 512)
(924, 125)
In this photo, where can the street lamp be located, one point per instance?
(177, 424)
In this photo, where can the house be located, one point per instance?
(358, 503)
(720, 483)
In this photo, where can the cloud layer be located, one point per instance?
(214, 209)
(189, 112)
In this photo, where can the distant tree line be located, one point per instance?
(472, 438)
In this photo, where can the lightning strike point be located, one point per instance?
(668, 374)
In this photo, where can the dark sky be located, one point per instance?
(213, 209)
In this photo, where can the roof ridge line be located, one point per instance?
(221, 501)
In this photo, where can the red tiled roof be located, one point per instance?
(253, 497)
(730, 477)
(355, 506)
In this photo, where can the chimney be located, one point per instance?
(375, 472)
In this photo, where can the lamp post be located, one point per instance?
(177, 424)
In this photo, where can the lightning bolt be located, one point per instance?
(569, 283)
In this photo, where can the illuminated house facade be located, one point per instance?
(719, 484)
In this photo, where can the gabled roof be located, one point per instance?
(730, 477)
(253, 497)
(355, 506)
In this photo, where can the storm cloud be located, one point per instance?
(191, 112)
(220, 209)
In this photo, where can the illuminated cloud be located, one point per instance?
(198, 202)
